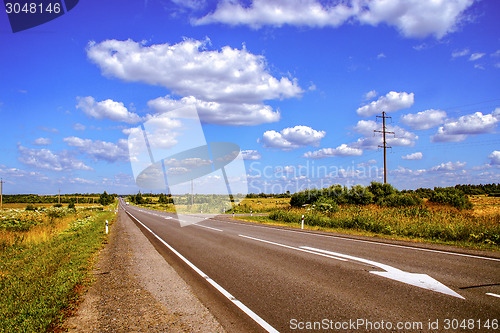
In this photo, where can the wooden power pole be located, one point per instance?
(385, 146)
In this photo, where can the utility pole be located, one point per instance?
(59, 197)
(385, 146)
(1, 193)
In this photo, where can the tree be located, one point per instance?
(106, 199)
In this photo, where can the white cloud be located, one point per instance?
(79, 127)
(494, 157)
(107, 109)
(342, 150)
(228, 87)
(391, 102)
(476, 56)
(292, 137)
(455, 130)
(460, 53)
(425, 119)
(42, 142)
(100, 150)
(414, 156)
(413, 18)
(369, 95)
(401, 137)
(233, 114)
(46, 159)
(251, 155)
(479, 66)
(448, 166)
(381, 55)
(187, 69)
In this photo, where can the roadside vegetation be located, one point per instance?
(46, 256)
(464, 215)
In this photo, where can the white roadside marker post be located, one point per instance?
(251, 213)
(302, 224)
(106, 227)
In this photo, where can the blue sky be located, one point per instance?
(296, 84)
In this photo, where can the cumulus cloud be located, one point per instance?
(448, 166)
(391, 102)
(46, 159)
(476, 56)
(455, 130)
(425, 119)
(229, 75)
(413, 18)
(369, 95)
(341, 151)
(232, 114)
(494, 157)
(460, 53)
(79, 127)
(100, 150)
(251, 155)
(292, 137)
(414, 156)
(107, 109)
(42, 142)
(227, 85)
(401, 137)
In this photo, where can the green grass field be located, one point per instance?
(45, 262)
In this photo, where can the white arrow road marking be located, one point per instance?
(494, 295)
(414, 279)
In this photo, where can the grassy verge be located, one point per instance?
(441, 225)
(41, 277)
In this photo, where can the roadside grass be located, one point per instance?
(45, 264)
(430, 223)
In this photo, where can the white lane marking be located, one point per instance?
(414, 279)
(494, 295)
(365, 241)
(204, 226)
(230, 297)
(292, 247)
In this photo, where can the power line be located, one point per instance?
(385, 146)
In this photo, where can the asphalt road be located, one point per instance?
(257, 278)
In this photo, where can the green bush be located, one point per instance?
(30, 208)
(450, 196)
(400, 200)
(326, 205)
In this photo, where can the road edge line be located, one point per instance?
(265, 325)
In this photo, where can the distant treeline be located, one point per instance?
(487, 189)
(65, 198)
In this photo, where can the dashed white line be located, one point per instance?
(366, 241)
(494, 295)
(204, 226)
(230, 297)
(292, 247)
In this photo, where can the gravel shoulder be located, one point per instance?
(135, 289)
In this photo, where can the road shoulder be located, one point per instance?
(136, 290)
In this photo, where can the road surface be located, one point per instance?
(258, 278)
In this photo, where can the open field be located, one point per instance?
(19, 205)
(476, 228)
(45, 257)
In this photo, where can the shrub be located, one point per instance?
(30, 208)
(57, 205)
(71, 205)
(450, 196)
(400, 200)
(326, 205)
